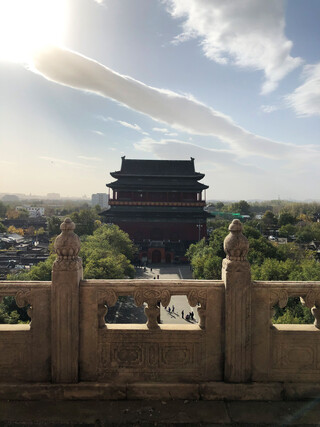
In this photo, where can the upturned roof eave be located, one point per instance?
(119, 174)
(144, 186)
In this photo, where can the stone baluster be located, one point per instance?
(152, 297)
(312, 300)
(66, 276)
(237, 279)
(195, 298)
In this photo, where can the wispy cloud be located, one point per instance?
(269, 108)
(55, 160)
(165, 131)
(181, 112)
(244, 33)
(125, 124)
(162, 130)
(129, 125)
(98, 132)
(305, 100)
(132, 126)
(95, 159)
(176, 149)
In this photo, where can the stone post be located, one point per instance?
(66, 276)
(237, 279)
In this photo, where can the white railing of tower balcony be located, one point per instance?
(151, 294)
(68, 340)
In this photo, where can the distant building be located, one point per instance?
(53, 196)
(100, 199)
(159, 203)
(10, 198)
(33, 211)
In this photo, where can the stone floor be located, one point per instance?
(159, 413)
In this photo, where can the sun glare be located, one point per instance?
(29, 25)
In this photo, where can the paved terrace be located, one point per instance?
(159, 413)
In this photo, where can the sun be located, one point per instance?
(29, 25)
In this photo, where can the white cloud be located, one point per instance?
(223, 166)
(95, 159)
(246, 33)
(305, 100)
(165, 131)
(269, 108)
(55, 161)
(98, 132)
(162, 130)
(125, 124)
(179, 111)
(176, 149)
(129, 125)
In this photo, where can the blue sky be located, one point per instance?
(233, 83)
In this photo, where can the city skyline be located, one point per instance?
(234, 84)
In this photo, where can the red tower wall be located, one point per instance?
(163, 230)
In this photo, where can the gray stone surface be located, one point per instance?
(179, 412)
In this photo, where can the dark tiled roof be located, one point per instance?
(156, 184)
(156, 168)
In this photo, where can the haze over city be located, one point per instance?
(234, 84)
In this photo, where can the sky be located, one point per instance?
(233, 83)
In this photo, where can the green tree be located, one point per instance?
(287, 230)
(307, 269)
(286, 218)
(269, 221)
(241, 207)
(205, 264)
(85, 221)
(219, 206)
(260, 249)
(3, 229)
(54, 225)
(273, 269)
(216, 240)
(41, 271)
(108, 253)
(305, 235)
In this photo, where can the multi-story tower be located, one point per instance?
(159, 203)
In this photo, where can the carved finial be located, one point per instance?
(67, 247)
(67, 224)
(236, 245)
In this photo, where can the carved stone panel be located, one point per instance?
(127, 355)
(15, 360)
(295, 355)
(175, 355)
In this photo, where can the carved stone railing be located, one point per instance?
(68, 340)
(151, 294)
(25, 349)
(23, 292)
(155, 350)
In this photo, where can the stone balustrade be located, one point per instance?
(234, 352)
